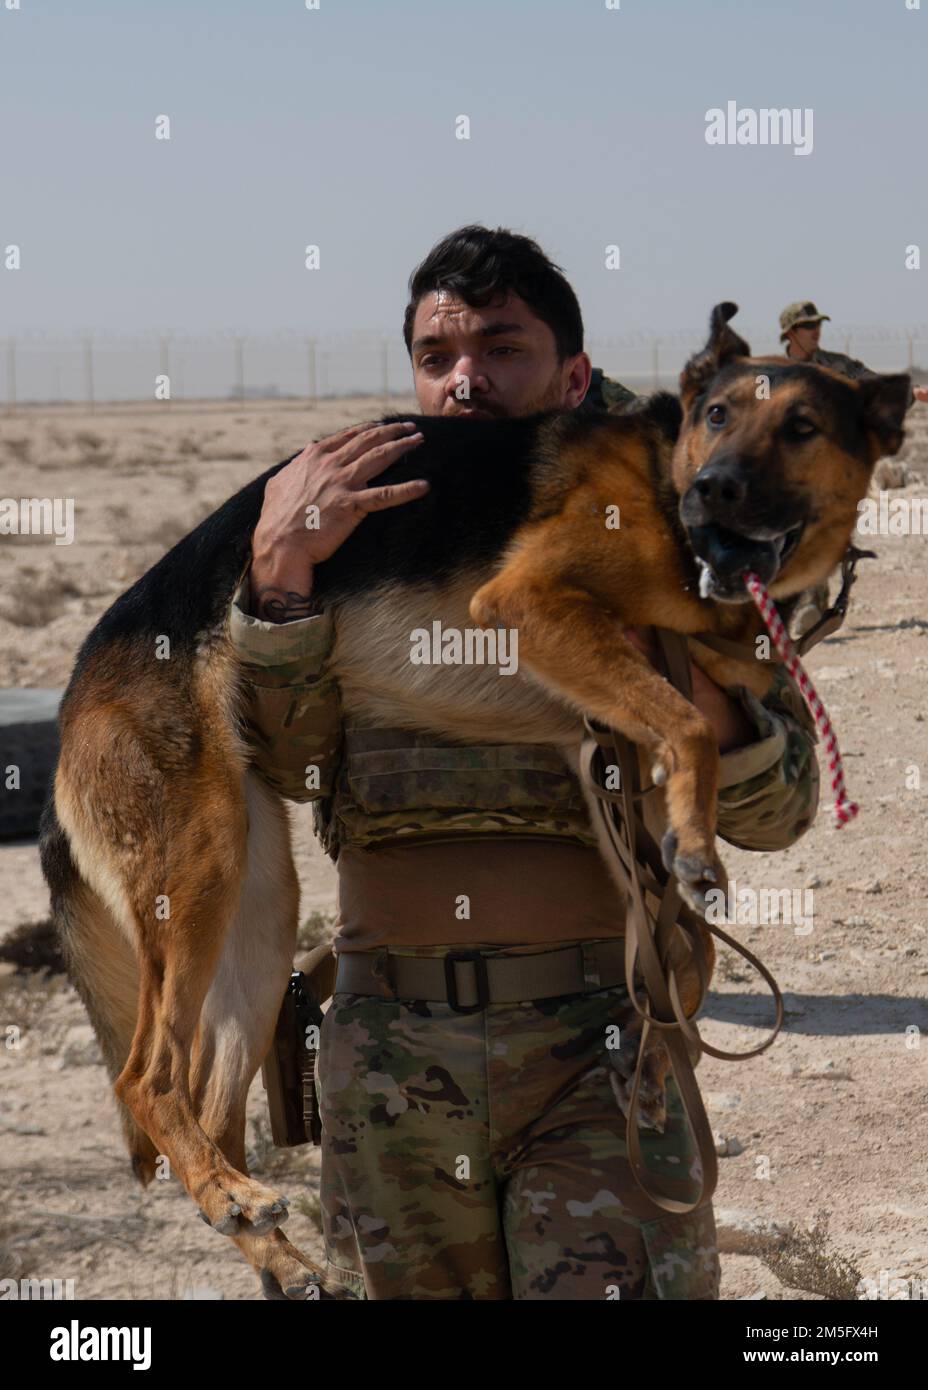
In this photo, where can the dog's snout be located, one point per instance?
(721, 486)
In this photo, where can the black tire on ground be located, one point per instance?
(29, 743)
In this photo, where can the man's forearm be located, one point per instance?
(279, 589)
(729, 722)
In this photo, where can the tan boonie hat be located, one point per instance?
(801, 312)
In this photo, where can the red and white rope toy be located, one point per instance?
(845, 809)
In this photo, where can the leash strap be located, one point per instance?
(649, 934)
(834, 616)
(828, 623)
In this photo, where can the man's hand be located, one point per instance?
(920, 393)
(332, 475)
(732, 727)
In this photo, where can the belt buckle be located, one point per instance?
(480, 972)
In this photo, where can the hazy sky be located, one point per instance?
(336, 127)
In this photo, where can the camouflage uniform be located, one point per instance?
(812, 603)
(483, 1155)
(804, 314)
(606, 394)
(434, 1117)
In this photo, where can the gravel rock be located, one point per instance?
(743, 1233)
(80, 1048)
(723, 1100)
(727, 1146)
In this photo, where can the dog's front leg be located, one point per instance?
(575, 645)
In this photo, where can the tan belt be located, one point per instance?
(470, 980)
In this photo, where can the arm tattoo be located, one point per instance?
(281, 605)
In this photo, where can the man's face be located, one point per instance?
(497, 361)
(803, 339)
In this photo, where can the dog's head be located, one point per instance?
(772, 460)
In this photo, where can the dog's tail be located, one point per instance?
(103, 967)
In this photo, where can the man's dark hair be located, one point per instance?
(482, 266)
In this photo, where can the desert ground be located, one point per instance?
(824, 1178)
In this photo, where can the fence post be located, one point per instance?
(240, 369)
(311, 364)
(88, 373)
(11, 375)
(164, 365)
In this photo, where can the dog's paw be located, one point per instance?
(302, 1287)
(239, 1206)
(286, 1274)
(696, 874)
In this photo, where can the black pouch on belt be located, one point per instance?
(289, 1070)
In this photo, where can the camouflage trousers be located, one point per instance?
(482, 1156)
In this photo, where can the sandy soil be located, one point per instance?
(831, 1120)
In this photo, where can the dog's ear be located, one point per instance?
(883, 402)
(724, 343)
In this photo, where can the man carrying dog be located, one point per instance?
(473, 1150)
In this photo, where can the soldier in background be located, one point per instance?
(801, 330)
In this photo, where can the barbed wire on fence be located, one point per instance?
(92, 368)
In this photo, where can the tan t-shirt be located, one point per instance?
(518, 892)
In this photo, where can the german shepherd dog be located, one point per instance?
(169, 860)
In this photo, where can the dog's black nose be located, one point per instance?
(720, 486)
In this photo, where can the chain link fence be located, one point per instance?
(90, 370)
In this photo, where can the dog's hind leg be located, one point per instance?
(102, 966)
(150, 792)
(239, 1015)
(249, 983)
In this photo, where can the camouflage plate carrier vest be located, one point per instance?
(393, 784)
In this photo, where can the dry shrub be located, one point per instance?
(34, 946)
(19, 448)
(41, 601)
(316, 929)
(803, 1260)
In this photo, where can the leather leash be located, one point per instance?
(828, 623)
(649, 933)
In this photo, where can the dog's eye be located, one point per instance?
(716, 415)
(803, 428)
